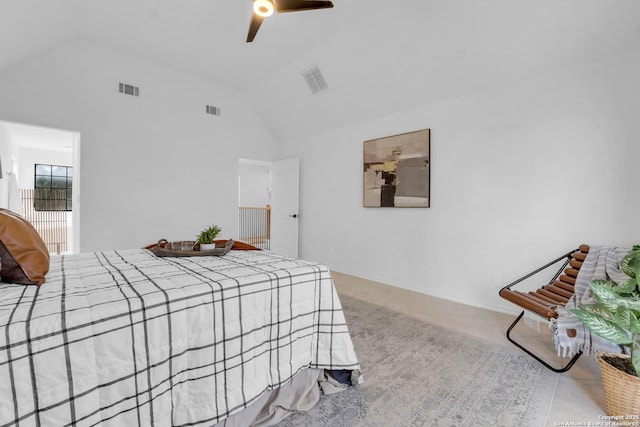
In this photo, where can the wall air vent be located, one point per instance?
(315, 80)
(128, 89)
(215, 111)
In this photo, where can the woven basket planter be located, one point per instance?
(621, 390)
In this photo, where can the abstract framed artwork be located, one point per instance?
(397, 171)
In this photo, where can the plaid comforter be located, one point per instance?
(125, 338)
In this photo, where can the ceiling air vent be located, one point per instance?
(215, 111)
(315, 80)
(128, 89)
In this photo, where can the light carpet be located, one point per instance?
(420, 374)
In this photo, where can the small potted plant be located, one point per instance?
(207, 236)
(616, 317)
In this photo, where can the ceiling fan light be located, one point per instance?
(263, 8)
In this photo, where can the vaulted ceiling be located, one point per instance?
(377, 56)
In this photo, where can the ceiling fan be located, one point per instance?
(265, 8)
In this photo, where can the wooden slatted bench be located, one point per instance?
(545, 300)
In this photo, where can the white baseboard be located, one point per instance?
(442, 295)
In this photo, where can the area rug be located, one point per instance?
(421, 374)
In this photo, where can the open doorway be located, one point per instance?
(268, 205)
(41, 165)
(254, 203)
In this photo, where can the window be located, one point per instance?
(53, 186)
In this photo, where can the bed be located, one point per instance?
(124, 337)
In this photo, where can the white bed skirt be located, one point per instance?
(298, 395)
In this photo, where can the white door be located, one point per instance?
(284, 207)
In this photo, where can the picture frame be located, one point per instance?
(396, 171)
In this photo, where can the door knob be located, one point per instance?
(294, 216)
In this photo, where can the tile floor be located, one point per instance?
(578, 398)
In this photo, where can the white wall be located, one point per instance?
(8, 151)
(153, 166)
(254, 184)
(520, 174)
(28, 157)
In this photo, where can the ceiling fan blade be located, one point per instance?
(282, 6)
(256, 21)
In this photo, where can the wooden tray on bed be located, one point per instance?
(166, 249)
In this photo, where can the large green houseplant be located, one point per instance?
(615, 316)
